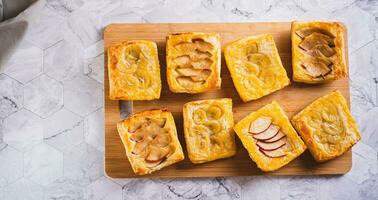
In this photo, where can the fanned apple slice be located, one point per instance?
(202, 45)
(270, 146)
(268, 133)
(308, 31)
(279, 136)
(137, 124)
(321, 50)
(202, 64)
(198, 55)
(140, 147)
(188, 71)
(185, 47)
(202, 76)
(157, 154)
(260, 125)
(188, 82)
(159, 121)
(183, 61)
(162, 140)
(274, 154)
(137, 136)
(315, 39)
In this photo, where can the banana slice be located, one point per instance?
(214, 112)
(214, 126)
(199, 116)
(331, 128)
(127, 67)
(252, 48)
(260, 59)
(199, 130)
(144, 81)
(130, 81)
(202, 143)
(252, 68)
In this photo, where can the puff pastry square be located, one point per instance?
(150, 140)
(208, 130)
(193, 62)
(134, 71)
(255, 67)
(327, 127)
(269, 138)
(318, 51)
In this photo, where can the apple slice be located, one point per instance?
(279, 136)
(162, 140)
(270, 146)
(273, 154)
(268, 133)
(137, 136)
(157, 154)
(260, 125)
(137, 125)
(140, 148)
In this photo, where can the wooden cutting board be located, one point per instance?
(292, 99)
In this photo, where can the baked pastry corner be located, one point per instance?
(327, 127)
(150, 140)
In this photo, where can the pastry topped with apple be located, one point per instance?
(269, 138)
(150, 140)
(193, 62)
(318, 51)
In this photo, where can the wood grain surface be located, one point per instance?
(292, 99)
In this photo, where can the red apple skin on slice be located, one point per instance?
(260, 125)
(270, 146)
(279, 136)
(273, 154)
(268, 133)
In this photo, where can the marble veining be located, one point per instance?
(51, 103)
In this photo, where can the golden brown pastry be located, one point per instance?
(255, 66)
(193, 62)
(134, 71)
(150, 140)
(269, 138)
(208, 129)
(318, 51)
(327, 127)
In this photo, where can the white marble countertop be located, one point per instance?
(51, 108)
